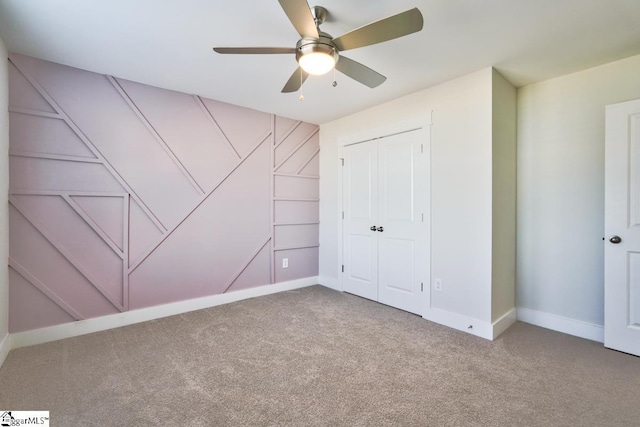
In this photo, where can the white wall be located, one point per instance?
(461, 176)
(504, 197)
(561, 188)
(4, 207)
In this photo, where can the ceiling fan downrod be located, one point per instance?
(319, 14)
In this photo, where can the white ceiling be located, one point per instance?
(169, 44)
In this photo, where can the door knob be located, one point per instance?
(615, 240)
(380, 229)
(373, 228)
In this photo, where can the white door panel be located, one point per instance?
(634, 289)
(398, 270)
(361, 255)
(402, 244)
(622, 219)
(360, 213)
(396, 163)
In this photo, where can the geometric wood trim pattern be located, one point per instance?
(289, 248)
(122, 253)
(297, 175)
(60, 114)
(295, 150)
(246, 264)
(204, 199)
(287, 133)
(47, 234)
(296, 199)
(299, 145)
(126, 196)
(215, 123)
(96, 228)
(306, 163)
(47, 156)
(155, 134)
(44, 289)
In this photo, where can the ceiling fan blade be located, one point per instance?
(300, 16)
(390, 28)
(295, 81)
(254, 50)
(359, 72)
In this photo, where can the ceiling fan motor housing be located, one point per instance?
(323, 44)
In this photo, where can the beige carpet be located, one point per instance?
(320, 357)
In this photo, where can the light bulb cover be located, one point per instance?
(317, 56)
(317, 63)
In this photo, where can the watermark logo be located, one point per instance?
(24, 418)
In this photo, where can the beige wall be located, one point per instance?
(460, 187)
(561, 188)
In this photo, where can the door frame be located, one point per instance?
(421, 124)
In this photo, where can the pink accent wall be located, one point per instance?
(125, 196)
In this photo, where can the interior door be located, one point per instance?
(402, 237)
(385, 233)
(360, 243)
(622, 228)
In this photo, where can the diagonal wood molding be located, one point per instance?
(50, 173)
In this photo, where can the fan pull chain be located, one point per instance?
(301, 97)
(335, 82)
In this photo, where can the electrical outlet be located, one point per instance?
(437, 285)
(285, 262)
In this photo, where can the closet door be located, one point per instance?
(360, 214)
(402, 243)
(385, 234)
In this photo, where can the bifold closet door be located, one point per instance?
(385, 237)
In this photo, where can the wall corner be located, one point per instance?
(503, 239)
(4, 202)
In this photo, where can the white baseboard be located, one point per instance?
(5, 347)
(460, 322)
(330, 282)
(88, 326)
(503, 323)
(457, 321)
(565, 325)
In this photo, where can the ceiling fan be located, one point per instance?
(318, 52)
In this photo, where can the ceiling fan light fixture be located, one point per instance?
(318, 53)
(317, 63)
(317, 56)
